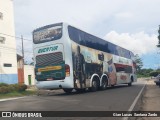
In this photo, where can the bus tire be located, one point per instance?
(67, 90)
(104, 84)
(94, 87)
(130, 84)
(112, 85)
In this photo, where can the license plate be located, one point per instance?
(49, 79)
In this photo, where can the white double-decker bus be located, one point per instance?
(68, 58)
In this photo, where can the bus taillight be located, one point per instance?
(67, 70)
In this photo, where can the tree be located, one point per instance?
(139, 63)
(32, 62)
(154, 73)
(29, 62)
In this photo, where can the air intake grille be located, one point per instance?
(49, 59)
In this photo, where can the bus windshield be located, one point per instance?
(47, 33)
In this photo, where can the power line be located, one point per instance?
(9, 48)
(15, 37)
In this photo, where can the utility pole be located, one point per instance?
(22, 75)
(159, 37)
(22, 48)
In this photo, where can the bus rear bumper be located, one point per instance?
(57, 84)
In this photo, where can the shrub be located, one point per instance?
(18, 87)
(3, 84)
(22, 87)
(4, 89)
(154, 73)
(13, 87)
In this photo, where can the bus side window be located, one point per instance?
(81, 38)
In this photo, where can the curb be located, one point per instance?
(7, 99)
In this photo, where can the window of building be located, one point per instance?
(1, 16)
(2, 40)
(7, 65)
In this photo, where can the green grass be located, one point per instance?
(142, 76)
(17, 94)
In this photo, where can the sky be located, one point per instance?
(132, 24)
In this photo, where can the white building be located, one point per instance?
(29, 77)
(8, 58)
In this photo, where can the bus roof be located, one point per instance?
(47, 26)
(61, 23)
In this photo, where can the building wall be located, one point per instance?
(20, 70)
(8, 73)
(29, 74)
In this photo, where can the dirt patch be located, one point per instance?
(150, 100)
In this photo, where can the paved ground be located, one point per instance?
(118, 98)
(114, 99)
(151, 100)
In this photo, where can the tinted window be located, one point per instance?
(76, 35)
(94, 42)
(73, 34)
(124, 53)
(7, 65)
(47, 33)
(90, 41)
(86, 39)
(128, 69)
(132, 55)
(123, 68)
(128, 54)
(118, 50)
(120, 69)
(112, 49)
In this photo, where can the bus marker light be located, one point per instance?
(67, 69)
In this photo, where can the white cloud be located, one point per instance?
(127, 17)
(84, 13)
(104, 15)
(124, 15)
(140, 43)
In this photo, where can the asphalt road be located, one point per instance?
(118, 98)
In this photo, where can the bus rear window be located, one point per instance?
(47, 33)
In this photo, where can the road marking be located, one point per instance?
(2, 100)
(135, 101)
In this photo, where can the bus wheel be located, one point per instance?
(67, 90)
(94, 86)
(112, 85)
(130, 84)
(104, 84)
